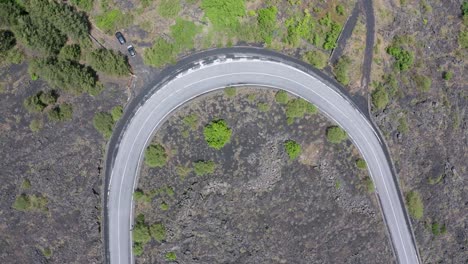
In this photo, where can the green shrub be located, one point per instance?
(109, 61)
(158, 232)
(141, 232)
(62, 112)
(33, 104)
(138, 249)
(224, 14)
(296, 108)
(36, 125)
(109, 20)
(217, 134)
(103, 122)
(70, 52)
(317, 58)
(7, 40)
(155, 156)
(369, 185)
(164, 206)
(281, 97)
(340, 10)
(161, 53)
(47, 252)
(230, 91)
(116, 113)
(169, 8)
(361, 164)
(140, 196)
(423, 82)
(299, 27)
(448, 75)
(435, 228)
(171, 256)
(380, 98)
(403, 58)
(292, 148)
(191, 121)
(183, 33)
(66, 75)
(336, 134)
(12, 56)
(402, 125)
(204, 167)
(86, 5)
(463, 39)
(26, 184)
(183, 171)
(332, 36)
(26, 202)
(264, 107)
(341, 70)
(415, 205)
(311, 109)
(48, 98)
(267, 23)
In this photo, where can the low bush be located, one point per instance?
(7, 40)
(217, 134)
(336, 134)
(169, 8)
(33, 104)
(403, 58)
(402, 125)
(140, 196)
(141, 232)
(158, 232)
(191, 121)
(331, 37)
(86, 5)
(48, 98)
(267, 23)
(183, 33)
(281, 97)
(263, 107)
(415, 204)
(296, 108)
(183, 171)
(463, 39)
(224, 14)
(161, 53)
(26, 202)
(230, 91)
(299, 27)
(292, 148)
(316, 58)
(380, 98)
(116, 113)
(340, 10)
(164, 206)
(104, 123)
(138, 249)
(62, 112)
(171, 256)
(369, 185)
(109, 20)
(204, 167)
(448, 75)
(341, 70)
(26, 184)
(423, 82)
(361, 164)
(155, 156)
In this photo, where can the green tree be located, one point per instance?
(380, 98)
(340, 10)
(415, 204)
(141, 232)
(403, 58)
(138, 249)
(217, 134)
(109, 61)
(117, 112)
(62, 112)
(33, 104)
(361, 164)
(292, 148)
(204, 167)
(48, 98)
(341, 70)
(70, 52)
(155, 156)
(86, 5)
(7, 40)
(336, 134)
(104, 123)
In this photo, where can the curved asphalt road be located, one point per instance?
(127, 148)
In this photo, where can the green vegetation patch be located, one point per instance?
(183, 33)
(7, 40)
(108, 61)
(380, 98)
(109, 20)
(403, 58)
(171, 256)
(230, 91)
(292, 148)
(317, 58)
(336, 134)
(361, 164)
(369, 185)
(158, 232)
(138, 249)
(263, 107)
(36, 125)
(117, 112)
(224, 14)
(299, 27)
(415, 204)
(204, 167)
(191, 121)
(281, 97)
(448, 75)
(26, 184)
(423, 83)
(141, 233)
(86, 5)
(217, 134)
(104, 123)
(267, 23)
(160, 53)
(169, 8)
(26, 202)
(155, 156)
(63, 112)
(341, 70)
